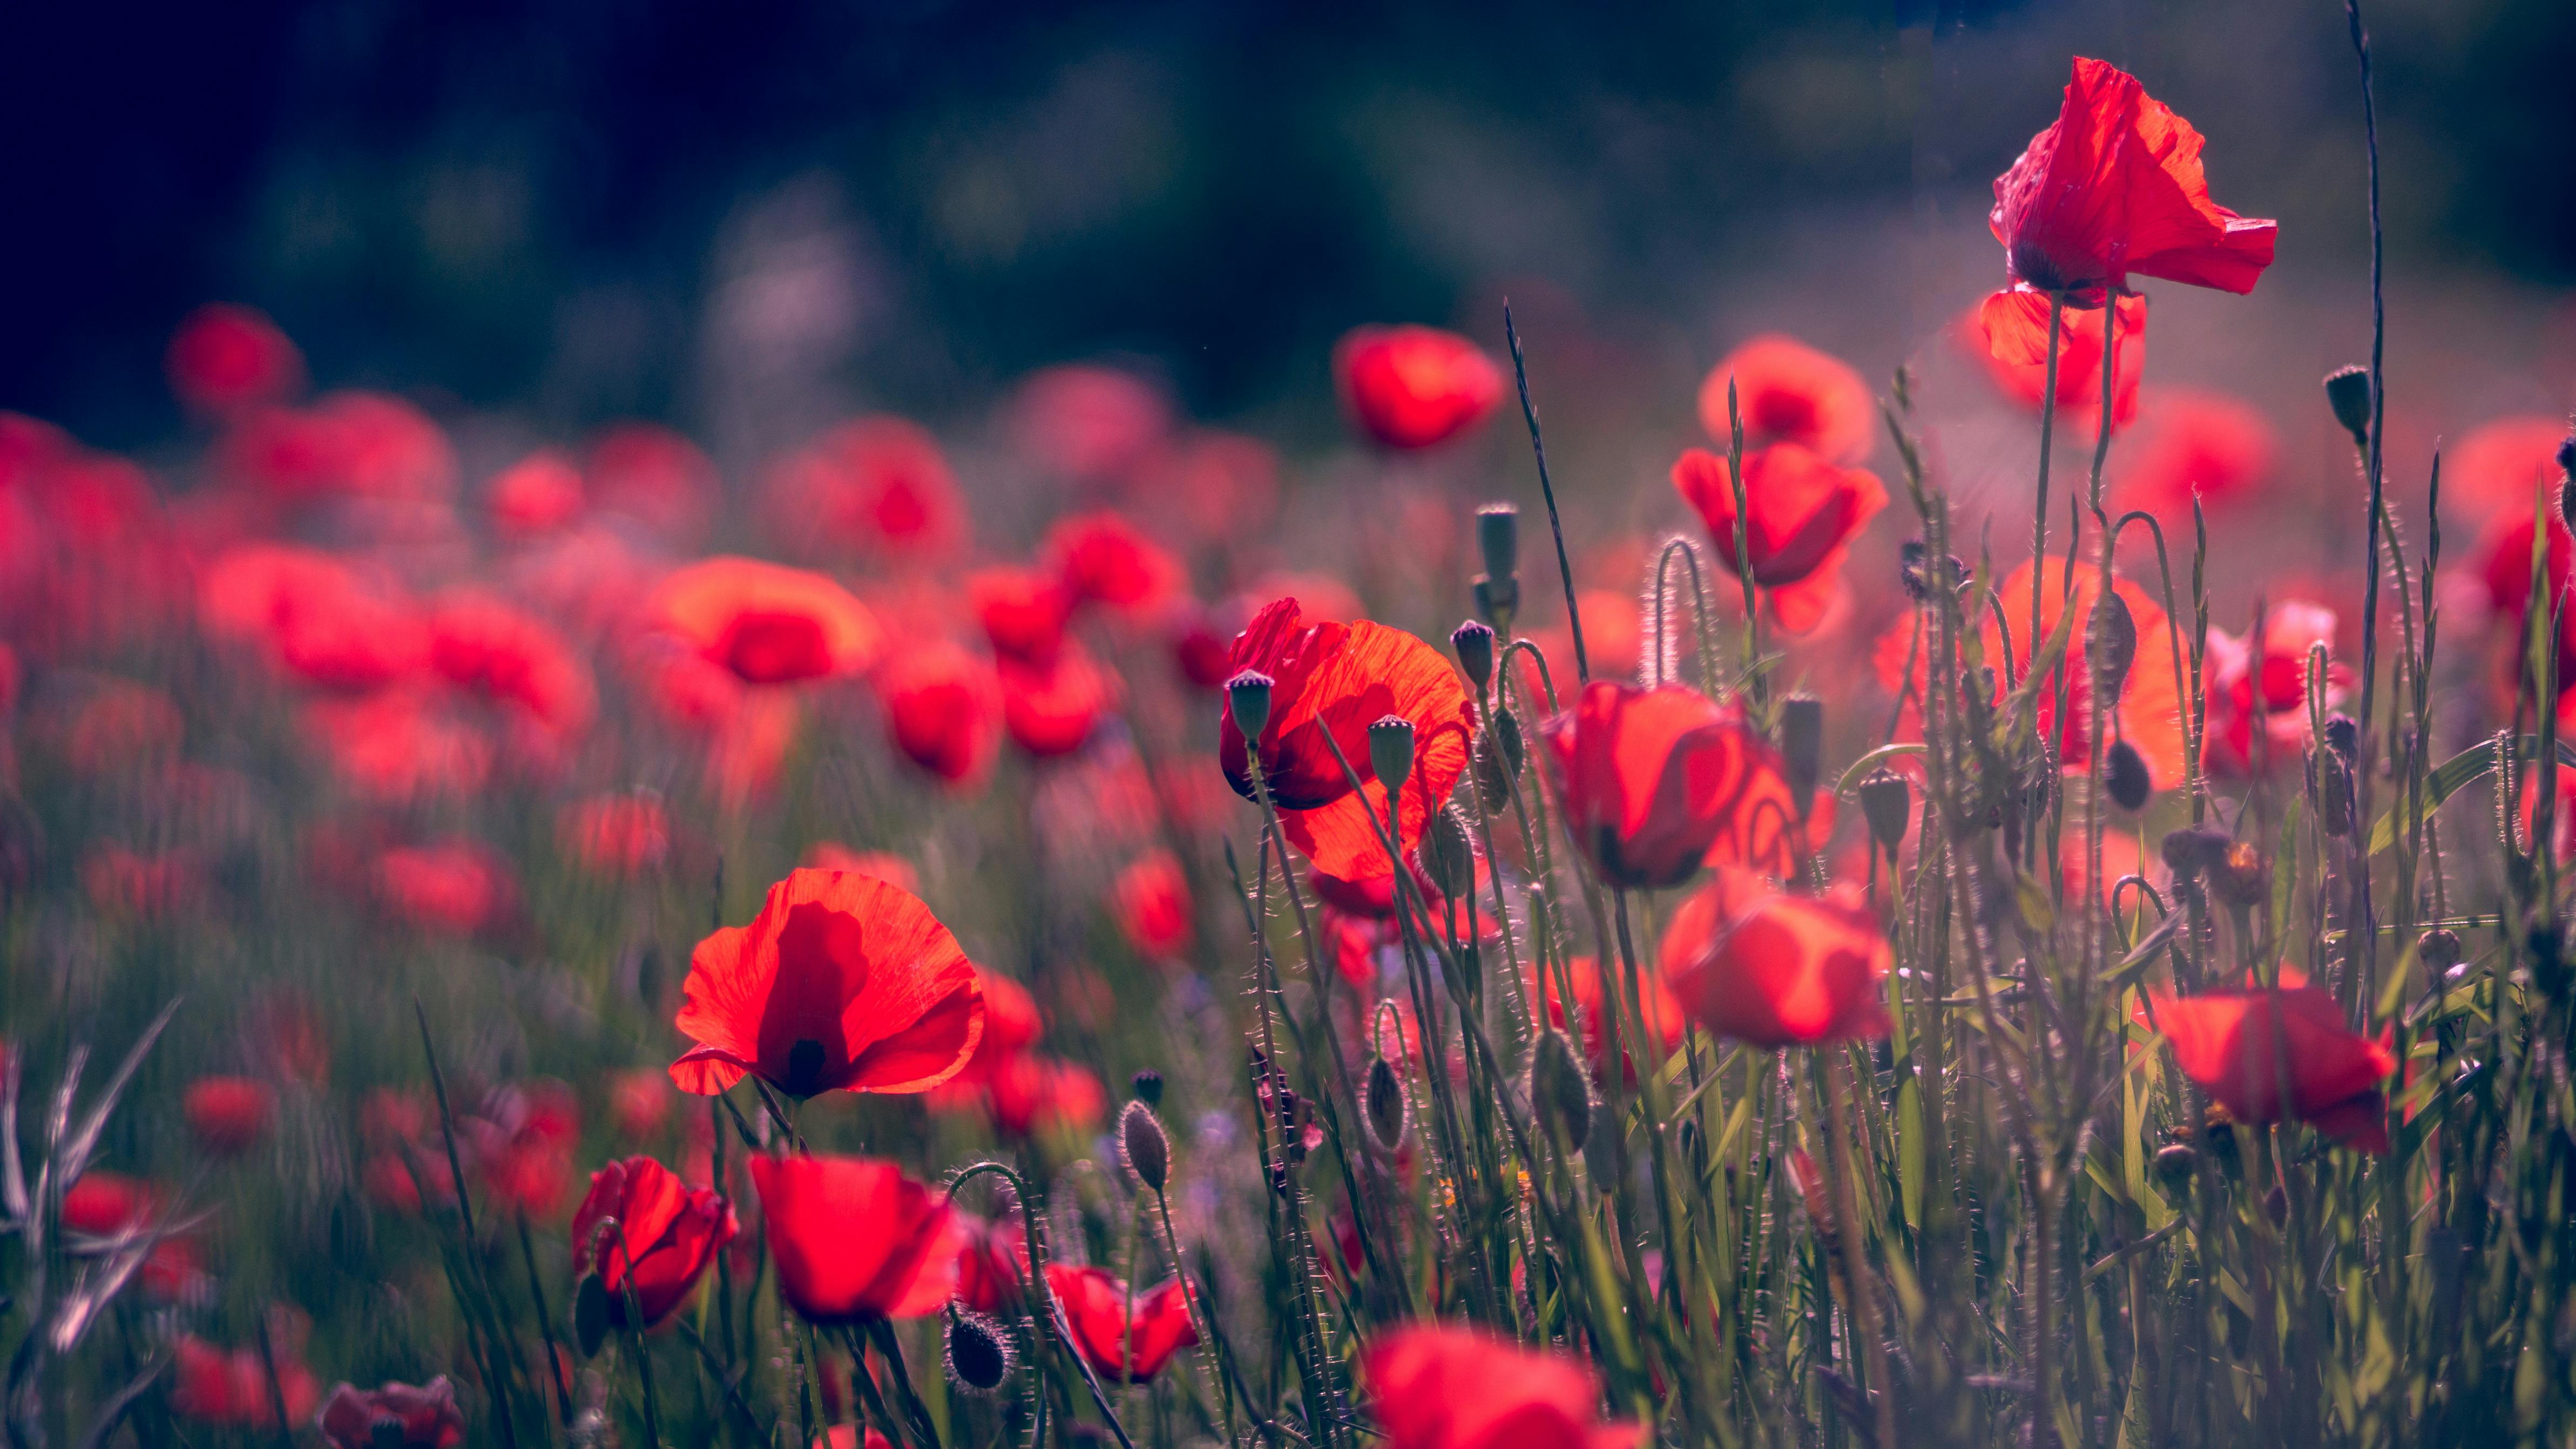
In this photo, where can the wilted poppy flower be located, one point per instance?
(2244, 1047)
(2271, 693)
(1415, 387)
(943, 711)
(233, 1388)
(617, 834)
(2114, 188)
(2024, 378)
(1788, 392)
(1122, 1348)
(1752, 963)
(224, 358)
(1801, 514)
(653, 475)
(1435, 1386)
(2201, 444)
(767, 623)
(877, 487)
(673, 1230)
(423, 1418)
(453, 887)
(1152, 900)
(1336, 680)
(841, 983)
(1050, 709)
(1022, 611)
(1663, 1015)
(2498, 466)
(855, 1240)
(228, 1114)
(1090, 424)
(1101, 558)
(1654, 781)
(538, 494)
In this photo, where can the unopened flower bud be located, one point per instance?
(2124, 776)
(1475, 645)
(1885, 802)
(1498, 539)
(1147, 1087)
(1802, 748)
(2240, 878)
(1382, 1103)
(979, 1353)
(1142, 1142)
(2348, 393)
(1498, 757)
(2334, 794)
(2193, 849)
(2111, 643)
(2342, 735)
(1448, 855)
(1560, 1093)
(2174, 1165)
(1391, 752)
(2439, 950)
(1247, 698)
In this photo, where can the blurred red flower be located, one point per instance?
(490, 649)
(943, 711)
(1121, 1346)
(1050, 709)
(1801, 515)
(1415, 387)
(1153, 907)
(2243, 1046)
(449, 887)
(2196, 442)
(767, 623)
(1011, 1026)
(103, 1204)
(893, 869)
(673, 1230)
(1091, 425)
(639, 1102)
(395, 747)
(1656, 781)
(1022, 611)
(224, 358)
(1435, 1386)
(619, 834)
(992, 1264)
(1101, 558)
(537, 495)
(423, 1418)
(2273, 691)
(364, 445)
(1754, 964)
(232, 1389)
(2497, 466)
(124, 882)
(2079, 363)
(654, 476)
(1788, 392)
(841, 983)
(875, 487)
(855, 1240)
(1662, 1014)
(228, 1114)
(1030, 1096)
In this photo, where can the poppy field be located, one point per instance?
(1019, 931)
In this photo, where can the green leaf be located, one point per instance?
(2454, 775)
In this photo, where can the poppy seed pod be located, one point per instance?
(2111, 640)
(1247, 699)
(1498, 539)
(1802, 747)
(2124, 776)
(2348, 393)
(1383, 1105)
(1147, 1087)
(1391, 752)
(979, 1354)
(1559, 1092)
(1142, 1142)
(1885, 802)
(1448, 855)
(1498, 599)
(1475, 645)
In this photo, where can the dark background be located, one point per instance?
(540, 206)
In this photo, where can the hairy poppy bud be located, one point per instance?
(2348, 393)
(979, 1355)
(2334, 794)
(2567, 455)
(2239, 878)
(2174, 1165)
(2439, 950)
(2124, 776)
(2342, 735)
(1382, 1103)
(1147, 1087)
(1559, 1092)
(1885, 802)
(1475, 645)
(1247, 696)
(1802, 748)
(1498, 756)
(2111, 641)
(2566, 494)
(2193, 849)
(1448, 855)
(1391, 752)
(1141, 1141)
(1498, 539)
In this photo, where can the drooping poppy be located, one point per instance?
(1801, 514)
(841, 983)
(2271, 693)
(2024, 378)
(767, 623)
(2196, 444)
(1656, 781)
(228, 1114)
(423, 1417)
(1415, 387)
(1439, 1386)
(224, 358)
(1152, 901)
(1753, 963)
(1102, 558)
(943, 711)
(855, 1240)
(2114, 188)
(1050, 709)
(1120, 1347)
(1788, 392)
(673, 1232)
(2270, 1054)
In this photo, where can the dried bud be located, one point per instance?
(1247, 697)
(1383, 1104)
(1147, 1087)
(1498, 540)
(1802, 747)
(2342, 735)
(2174, 1165)
(2124, 776)
(1448, 856)
(2348, 393)
(1391, 752)
(2111, 643)
(1885, 802)
(979, 1353)
(1142, 1143)
(2439, 950)
(1475, 645)
(1560, 1093)
(2193, 849)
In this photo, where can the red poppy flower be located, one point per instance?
(2273, 691)
(453, 887)
(1101, 558)
(1663, 1014)
(852, 1436)
(674, 1230)
(855, 1240)
(1050, 709)
(423, 1418)
(655, 476)
(2197, 443)
(1788, 392)
(893, 869)
(1801, 515)
(395, 747)
(620, 834)
(1435, 1386)
(1121, 1347)
(488, 648)
(224, 358)
(943, 710)
(1654, 781)
(345, 445)
(1032, 1096)
(1011, 1026)
(2244, 1046)
(2496, 468)
(841, 983)
(1752, 963)
(1090, 424)
(233, 1388)
(639, 1102)
(521, 1143)
(878, 487)
(2022, 375)
(355, 642)
(536, 495)
(1415, 387)
(103, 1204)
(1022, 611)
(1337, 680)
(2115, 187)
(993, 1263)
(1152, 901)
(228, 1114)
(768, 623)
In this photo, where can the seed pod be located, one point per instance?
(1475, 645)
(1886, 802)
(979, 1354)
(2439, 950)
(1391, 752)
(2174, 1165)
(1144, 1145)
(1247, 697)
(1498, 600)
(2348, 393)
(1559, 1091)
(1147, 1087)
(1498, 539)
(2124, 776)
(1384, 1106)
(1802, 747)
(2111, 642)
(1448, 856)
(1498, 758)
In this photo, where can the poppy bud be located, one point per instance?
(1147, 1087)
(2124, 776)
(1498, 539)
(590, 1314)
(1448, 856)
(979, 1356)
(2193, 849)
(1917, 579)
(2111, 640)
(1802, 747)
(2239, 877)
(1559, 1092)
(1498, 599)
(1247, 697)
(1475, 645)
(2348, 393)
(2334, 794)
(2174, 1165)
(1142, 1143)
(2342, 735)
(2567, 455)
(1384, 1106)
(1391, 752)
(2439, 950)
(1498, 758)
(2276, 1205)
(1885, 802)
(2566, 494)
